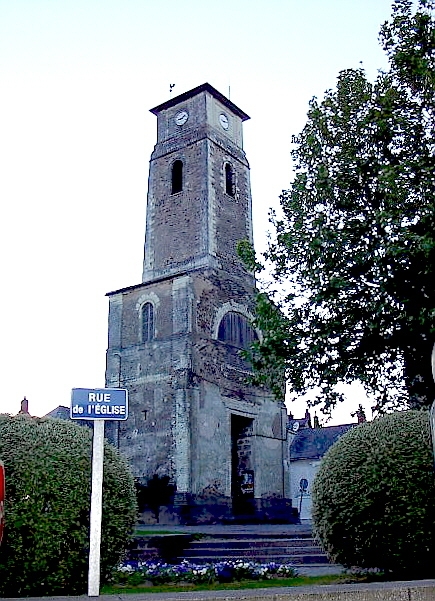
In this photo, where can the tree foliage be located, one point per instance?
(354, 245)
(46, 539)
(374, 497)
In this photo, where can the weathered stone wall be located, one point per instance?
(184, 385)
(178, 222)
(154, 372)
(211, 444)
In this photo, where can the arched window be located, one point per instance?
(230, 184)
(147, 314)
(177, 177)
(235, 329)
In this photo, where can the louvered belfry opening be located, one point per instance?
(235, 329)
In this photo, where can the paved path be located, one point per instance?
(416, 590)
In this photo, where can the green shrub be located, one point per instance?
(48, 476)
(374, 497)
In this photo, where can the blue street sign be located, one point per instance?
(99, 403)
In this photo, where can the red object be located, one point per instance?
(2, 499)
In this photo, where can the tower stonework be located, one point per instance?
(175, 338)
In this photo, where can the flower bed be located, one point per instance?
(157, 572)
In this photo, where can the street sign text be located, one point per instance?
(102, 403)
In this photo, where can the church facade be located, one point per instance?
(175, 338)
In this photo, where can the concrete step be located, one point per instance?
(265, 543)
(224, 544)
(298, 551)
(250, 551)
(295, 560)
(258, 535)
(331, 569)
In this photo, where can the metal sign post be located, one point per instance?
(432, 409)
(96, 509)
(432, 427)
(98, 405)
(2, 500)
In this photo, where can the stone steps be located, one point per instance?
(262, 543)
(292, 544)
(249, 551)
(293, 559)
(295, 551)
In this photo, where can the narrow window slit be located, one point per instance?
(230, 186)
(177, 177)
(147, 322)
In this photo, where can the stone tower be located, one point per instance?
(175, 338)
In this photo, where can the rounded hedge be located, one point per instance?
(374, 497)
(48, 479)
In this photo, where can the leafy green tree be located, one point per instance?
(354, 244)
(48, 474)
(374, 497)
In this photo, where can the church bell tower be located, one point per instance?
(199, 199)
(175, 339)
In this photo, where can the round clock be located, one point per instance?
(223, 120)
(181, 117)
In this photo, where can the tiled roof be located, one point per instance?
(62, 412)
(205, 87)
(312, 443)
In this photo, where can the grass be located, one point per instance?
(152, 533)
(140, 532)
(245, 584)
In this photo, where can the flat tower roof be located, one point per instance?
(205, 87)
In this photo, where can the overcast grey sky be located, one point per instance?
(77, 80)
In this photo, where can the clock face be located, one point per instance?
(181, 117)
(223, 120)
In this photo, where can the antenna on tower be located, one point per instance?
(171, 86)
(229, 92)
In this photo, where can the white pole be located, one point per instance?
(96, 509)
(432, 409)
